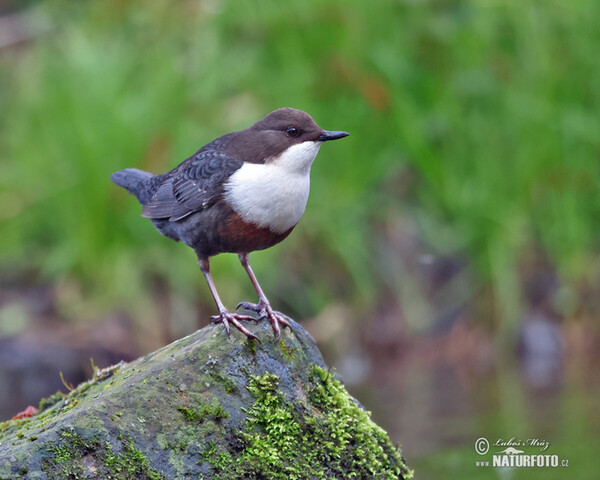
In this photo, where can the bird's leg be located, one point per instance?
(225, 317)
(263, 307)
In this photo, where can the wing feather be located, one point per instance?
(194, 185)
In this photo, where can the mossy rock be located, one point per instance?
(205, 407)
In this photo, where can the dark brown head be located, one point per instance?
(281, 129)
(294, 126)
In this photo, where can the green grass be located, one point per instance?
(475, 122)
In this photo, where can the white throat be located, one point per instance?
(274, 194)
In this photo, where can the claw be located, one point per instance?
(227, 317)
(252, 307)
(264, 310)
(276, 329)
(284, 322)
(221, 319)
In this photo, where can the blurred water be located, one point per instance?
(436, 404)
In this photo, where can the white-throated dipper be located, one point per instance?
(242, 192)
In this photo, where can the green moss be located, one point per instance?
(129, 463)
(58, 403)
(329, 437)
(251, 345)
(349, 435)
(64, 457)
(203, 411)
(4, 426)
(48, 402)
(227, 383)
(287, 351)
(65, 460)
(17, 426)
(162, 441)
(221, 460)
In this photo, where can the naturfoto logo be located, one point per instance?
(511, 456)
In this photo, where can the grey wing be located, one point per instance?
(195, 185)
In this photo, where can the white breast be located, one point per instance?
(273, 194)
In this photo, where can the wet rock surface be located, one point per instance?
(205, 407)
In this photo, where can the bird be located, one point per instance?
(244, 191)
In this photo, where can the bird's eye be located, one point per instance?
(292, 132)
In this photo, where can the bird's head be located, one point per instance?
(291, 138)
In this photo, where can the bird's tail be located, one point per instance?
(133, 180)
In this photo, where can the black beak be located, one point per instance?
(327, 135)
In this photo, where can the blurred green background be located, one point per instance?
(450, 240)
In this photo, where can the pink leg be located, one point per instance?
(224, 316)
(263, 307)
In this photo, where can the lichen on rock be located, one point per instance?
(205, 407)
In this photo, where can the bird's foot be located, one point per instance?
(264, 310)
(226, 318)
